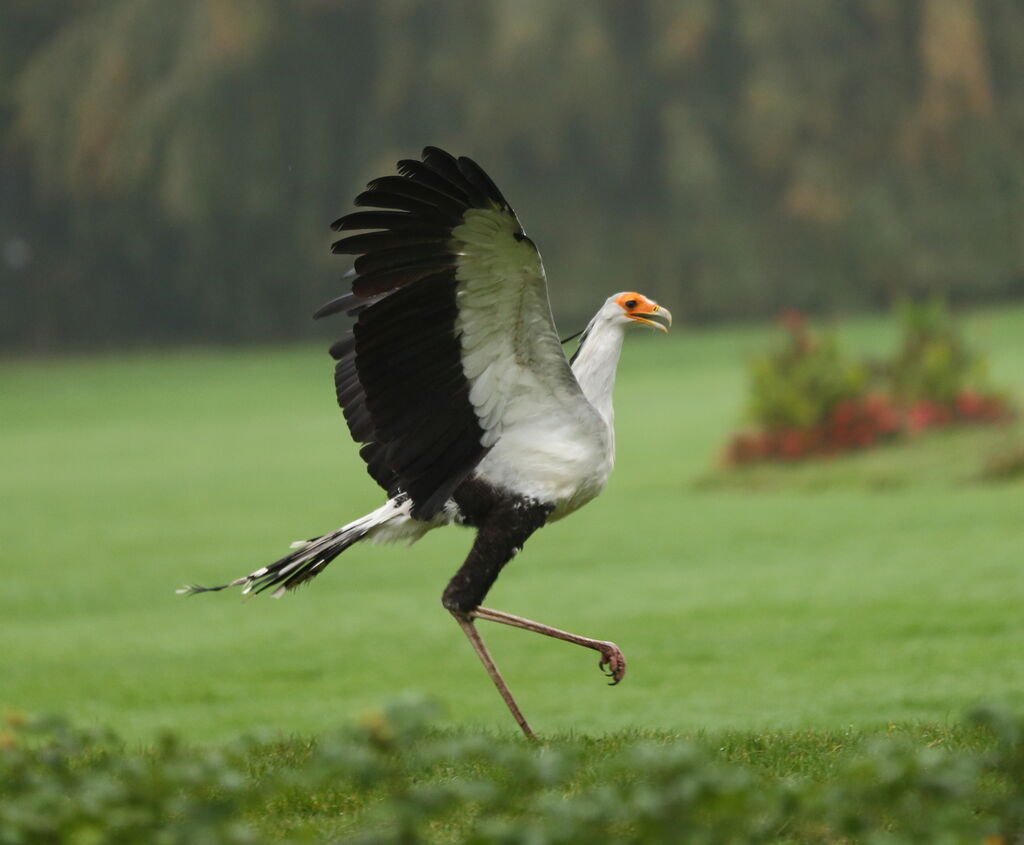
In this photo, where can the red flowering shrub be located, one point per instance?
(799, 384)
(808, 399)
(852, 424)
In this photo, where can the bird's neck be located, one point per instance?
(595, 364)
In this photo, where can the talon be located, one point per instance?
(613, 660)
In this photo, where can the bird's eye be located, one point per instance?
(630, 304)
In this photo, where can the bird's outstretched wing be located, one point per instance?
(453, 340)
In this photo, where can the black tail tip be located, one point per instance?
(195, 589)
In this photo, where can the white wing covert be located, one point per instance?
(511, 353)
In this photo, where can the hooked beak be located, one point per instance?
(656, 312)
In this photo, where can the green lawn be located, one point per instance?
(873, 589)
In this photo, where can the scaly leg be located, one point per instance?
(502, 532)
(612, 663)
(466, 621)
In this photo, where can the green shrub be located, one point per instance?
(392, 780)
(802, 381)
(935, 377)
(808, 398)
(62, 784)
(933, 363)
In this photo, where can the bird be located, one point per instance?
(454, 383)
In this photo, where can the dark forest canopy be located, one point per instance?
(169, 169)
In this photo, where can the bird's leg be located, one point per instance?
(613, 663)
(503, 528)
(466, 622)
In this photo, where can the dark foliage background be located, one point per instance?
(169, 169)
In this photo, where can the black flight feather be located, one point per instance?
(411, 256)
(372, 241)
(427, 212)
(424, 174)
(476, 176)
(390, 220)
(399, 376)
(405, 187)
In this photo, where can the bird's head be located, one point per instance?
(632, 308)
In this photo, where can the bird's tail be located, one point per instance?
(309, 556)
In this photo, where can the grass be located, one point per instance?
(846, 596)
(394, 780)
(579, 767)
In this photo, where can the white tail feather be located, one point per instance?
(310, 557)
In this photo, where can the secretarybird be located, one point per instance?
(454, 381)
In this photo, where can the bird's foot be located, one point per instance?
(613, 662)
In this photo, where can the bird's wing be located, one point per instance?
(454, 340)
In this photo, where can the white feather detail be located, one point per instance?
(476, 285)
(474, 359)
(490, 409)
(545, 438)
(482, 385)
(478, 237)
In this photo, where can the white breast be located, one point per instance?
(560, 458)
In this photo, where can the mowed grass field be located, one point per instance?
(867, 590)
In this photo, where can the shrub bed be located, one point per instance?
(807, 398)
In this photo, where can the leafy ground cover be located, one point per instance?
(868, 590)
(393, 780)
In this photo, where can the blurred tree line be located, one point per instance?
(168, 169)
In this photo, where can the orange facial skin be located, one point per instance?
(638, 307)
